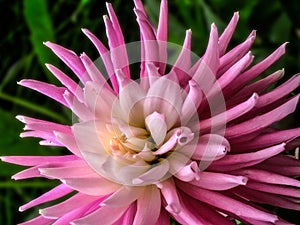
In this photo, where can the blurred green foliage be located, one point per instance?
(26, 24)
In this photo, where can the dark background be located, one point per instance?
(26, 24)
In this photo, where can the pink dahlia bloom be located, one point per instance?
(194, 143)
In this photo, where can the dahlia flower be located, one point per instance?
(191, 140)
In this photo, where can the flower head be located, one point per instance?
(193, 143)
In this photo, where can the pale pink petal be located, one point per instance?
(157, 126)
(238, 161)
(55, 193)
(49, 90)
(148, 207)
(164, 97)
(262, 121)
(226, 36)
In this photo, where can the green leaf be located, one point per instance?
(41, 30)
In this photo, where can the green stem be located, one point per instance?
(26, 184)
(32, 106)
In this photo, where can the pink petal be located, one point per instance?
(191, 102)
(70, 59)
(262, 121)
(162, 35)
(128, 216)
(108, 216)
(268, 177)
(274, 188)
(38, 221)
(116, 43)
(164, 218)
(77, 107)
(68, 205)
(69, 141)
(227, 60)
(92, 186)
(279, 92)
(218, 181)
(148, 207)
(169, 192)
(37, 160)
(76, 169)
(49, 90)
(266, 140)
(104, 53)
(99, 105)
(257, 69)
(183, 62)
(27, 173)
(238, 161)
(211, 147)
(57, 192)
(154, 174)
(211, 56)
(267, 198)
(70, 84)
(225, 203)
(227, 33)
(123, 197)
(205, 212)
(94, 72)
(256, 87)
(189, 172)
(218, 120)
